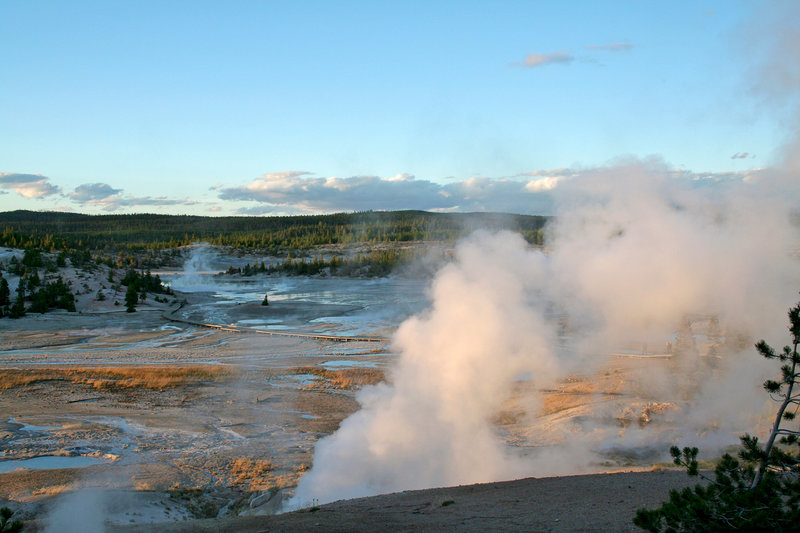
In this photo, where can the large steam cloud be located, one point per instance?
(633, 253)
(430, 427)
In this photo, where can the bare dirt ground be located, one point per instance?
(599, 502)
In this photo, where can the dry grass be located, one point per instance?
(289, 479)
(571, 392)
(53, 490)
(508, 417)
(576, 391)
(259, 475)
(255, 473)
(116, 378)
(645, 415)
(343, 379)
(557, 401)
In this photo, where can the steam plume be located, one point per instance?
(199, 262)
(633, 253)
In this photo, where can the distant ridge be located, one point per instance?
(53, 229)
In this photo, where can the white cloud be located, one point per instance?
(555, 172)
(28, 185)
(106, 197)
(542, 184)
(93, 191)
(358, 193)
(537, 60)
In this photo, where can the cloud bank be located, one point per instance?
(358, 193)
(297, 191)
(102, 195)
(532, 192)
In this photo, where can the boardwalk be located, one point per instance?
(171, 315)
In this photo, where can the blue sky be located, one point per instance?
(281, 107)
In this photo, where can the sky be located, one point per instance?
(274, 108)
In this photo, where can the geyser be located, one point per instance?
(634, 252)
(199, 263)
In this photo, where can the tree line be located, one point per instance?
(43, 297)
(54, 231)
(373, 264)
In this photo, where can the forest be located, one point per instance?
(372, 264)
(57, 231)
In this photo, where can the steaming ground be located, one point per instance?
(636, 259)
(631, 332)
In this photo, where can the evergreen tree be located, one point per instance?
(33, 280)
(131, 299)
(15, 267)
(6, 524)
(5, 293)
(760, 491)
(32, 258)
(40, 304)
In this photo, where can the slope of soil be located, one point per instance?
(600, 502)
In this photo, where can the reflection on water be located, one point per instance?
(337, 365)
(49, 462)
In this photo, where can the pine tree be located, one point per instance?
(18, 309)
(6, 524)
(131, 299)
(5, 293)
(760, 491)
